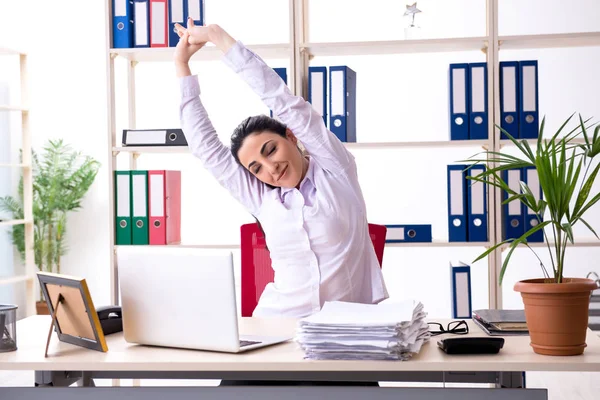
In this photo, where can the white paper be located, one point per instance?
(391, 330)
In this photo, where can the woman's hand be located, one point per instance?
(186, 48)
(200, 34)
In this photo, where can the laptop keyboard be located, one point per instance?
(247, 343)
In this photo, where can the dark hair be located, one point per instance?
(255, 124)
(249, 126)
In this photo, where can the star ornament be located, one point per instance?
(411, 10)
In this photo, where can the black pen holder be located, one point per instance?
(8, 328)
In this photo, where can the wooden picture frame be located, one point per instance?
(74, 316)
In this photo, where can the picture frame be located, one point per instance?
(74, 316)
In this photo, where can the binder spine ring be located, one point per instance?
(478, 120)
(459, 121)
(337, 122)
(123, 223)
(120, 26)
(477, 222)
(514, 222)
(509, 119)
(157, 224)
(172, 136)
(529, 118)
(139, 223)
(411, 233)
(456, 222)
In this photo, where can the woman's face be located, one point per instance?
(273, 159)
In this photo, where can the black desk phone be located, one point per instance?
(471, 345)
(111, 319)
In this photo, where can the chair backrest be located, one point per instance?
(256, 262)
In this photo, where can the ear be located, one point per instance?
(291, 137)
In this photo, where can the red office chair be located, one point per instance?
(256, 262)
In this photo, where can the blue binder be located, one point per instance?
(141, 23)
(478, 101)
(282, 72)
(461, 300)
(317, 90)
(177, 14)
(459, 101)
(512, 213)
(195, 9)
(342, 103)
(477, 206)
(530, 177)
(457, 203)
(509, 98)
(528, 100)
(122, 24)
(408, 233)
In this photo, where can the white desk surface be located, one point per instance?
(32, 332)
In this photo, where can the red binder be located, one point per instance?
(159, 23)
(164, 205)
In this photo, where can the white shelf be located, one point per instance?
(13, 222)
(583, 243)
(433, 143)
(4, 165)
(208, 53)
(581, 39)
(152, 149)
(191, 246)
(406, 244)
(533, 142)
(15, 279)
(395, 46)
(437, 243)
(9, 52)
(366, 145)
(13, 108)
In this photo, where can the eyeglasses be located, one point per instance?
(455, 327)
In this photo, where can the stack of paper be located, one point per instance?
(353, 331)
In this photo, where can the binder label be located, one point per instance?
(509, 86)
(459, 99)
(529, 89)
(139, 194)
(477, 90)
(337, 93)
(177, 11)
(121, 8)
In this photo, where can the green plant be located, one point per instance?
(559, 163)
(60, 180)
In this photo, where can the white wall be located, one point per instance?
(400, 97)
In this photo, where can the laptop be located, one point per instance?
(182, 297)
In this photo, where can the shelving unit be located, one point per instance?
(29, 276)
(300, 50)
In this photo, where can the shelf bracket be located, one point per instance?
(135, 155)
(133, 63)
(485, 147)
(485, 47)
(114, 55)
(304, 50)
(115, 153)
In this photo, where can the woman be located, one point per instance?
(310, 207)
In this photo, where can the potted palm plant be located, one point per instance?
(61, 178)
(556, 306)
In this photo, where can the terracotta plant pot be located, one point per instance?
(41, 308)
(557, 314)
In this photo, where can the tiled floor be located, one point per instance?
(561, 386)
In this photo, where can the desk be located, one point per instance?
(67, 364)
